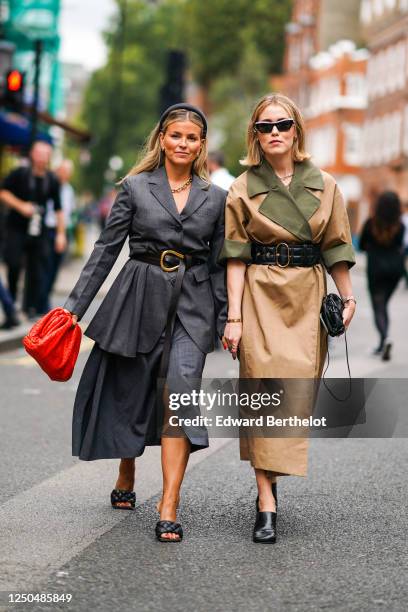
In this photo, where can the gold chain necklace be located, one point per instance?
(186, 184)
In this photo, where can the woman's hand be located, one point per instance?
(73, 316)
(348, 313)
(232, 337)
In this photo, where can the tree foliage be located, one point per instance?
(220, 31)
(231, 48)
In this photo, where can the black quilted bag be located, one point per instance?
(331, 314)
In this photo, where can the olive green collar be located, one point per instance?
(291, 208)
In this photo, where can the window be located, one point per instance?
(352, 143)
(405, 133)
(365, 12)
(322, 144)
(378, 7)
(355, 85)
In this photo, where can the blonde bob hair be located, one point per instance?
(152, 156)
(255, 154)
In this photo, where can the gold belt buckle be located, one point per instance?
(277, 254)
(169, 268)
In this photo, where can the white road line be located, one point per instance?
(47, 525)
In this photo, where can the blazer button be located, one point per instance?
(178, 228)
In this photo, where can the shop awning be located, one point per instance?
(15, 130)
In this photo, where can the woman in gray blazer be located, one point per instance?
(158, 320)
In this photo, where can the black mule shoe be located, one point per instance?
(265, 528)
(274, 493)
(163, 527)
(121, 495)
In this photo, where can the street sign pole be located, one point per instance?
(38, 47)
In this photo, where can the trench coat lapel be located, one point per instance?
(197, 196)
(160, 188)
(289, 208)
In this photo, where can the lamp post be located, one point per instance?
(117, 69)
(38, 47)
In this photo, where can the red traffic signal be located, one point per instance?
(13, 91)
(14, 81)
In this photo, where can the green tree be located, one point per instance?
(232, 99)
(121, 101)
(219, 32)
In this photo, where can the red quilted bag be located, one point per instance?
(54, 343)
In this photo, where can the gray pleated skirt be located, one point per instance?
(115, 411)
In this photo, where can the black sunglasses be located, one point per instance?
(266, 127)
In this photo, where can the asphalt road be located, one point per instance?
(342, 530)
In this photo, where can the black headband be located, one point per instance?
(187, 107)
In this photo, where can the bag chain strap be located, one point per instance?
(348, 367)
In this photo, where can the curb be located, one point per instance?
(13, 339)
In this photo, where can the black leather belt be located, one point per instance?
(169, 260)
(285, 254)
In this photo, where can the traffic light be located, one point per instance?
(13, 96)
(172, 90)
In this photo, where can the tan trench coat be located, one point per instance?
(282, 334)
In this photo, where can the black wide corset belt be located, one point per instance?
(286, 254)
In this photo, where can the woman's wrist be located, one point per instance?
(348, 298)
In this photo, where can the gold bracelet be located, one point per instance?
(234, 320)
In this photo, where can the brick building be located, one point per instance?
(325, 75)
(334, 118)
(384, 25)
(314, 26)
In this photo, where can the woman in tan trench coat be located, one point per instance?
(286, 223)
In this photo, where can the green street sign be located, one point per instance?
(34, 19)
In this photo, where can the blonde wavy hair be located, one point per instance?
(254, 154)
(152, 156)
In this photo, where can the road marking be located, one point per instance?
(46, 526)
(26, 361)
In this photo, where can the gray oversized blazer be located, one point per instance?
(133, 314)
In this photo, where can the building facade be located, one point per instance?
(384, 25)
(324, 73)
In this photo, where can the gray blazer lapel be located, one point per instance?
(160, 188)
(197, 196)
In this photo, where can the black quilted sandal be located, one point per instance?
(120, 495)
(168, 527)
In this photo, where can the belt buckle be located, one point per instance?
(169, 252)
(277, 254)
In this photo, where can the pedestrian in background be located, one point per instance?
(26, 191)
(105, 206)
(64, 173)
(158, 319)
(11, 319)
(285, 223)
(382, 238)
(219, 175)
